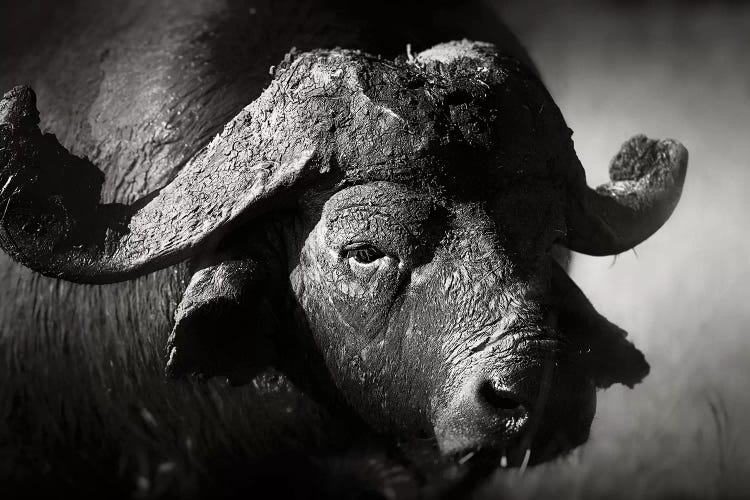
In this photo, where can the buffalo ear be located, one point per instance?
(224, 325)
(607, 356)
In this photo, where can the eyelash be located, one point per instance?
(364, 254)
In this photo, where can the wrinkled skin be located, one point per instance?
(382, 232)
(450, 328)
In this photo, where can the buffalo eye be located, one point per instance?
(363, 254)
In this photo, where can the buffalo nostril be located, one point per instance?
(483, 413)
(499, 399)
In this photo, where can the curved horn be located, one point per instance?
(51, 219)
(646, 183)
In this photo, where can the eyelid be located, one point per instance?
(364, 246)
(382, 255)
(361, 220)
(354, 245)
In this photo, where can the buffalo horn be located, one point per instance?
(52, 221)
(646, 183)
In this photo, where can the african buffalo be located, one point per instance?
(378, 225)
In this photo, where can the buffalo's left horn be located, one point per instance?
(51, 219)
(646, 183)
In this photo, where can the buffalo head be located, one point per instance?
(385, 229)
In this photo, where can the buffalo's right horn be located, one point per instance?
(646, 183)
(52, 222)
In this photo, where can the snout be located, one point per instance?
(481, 411)
(485, 413)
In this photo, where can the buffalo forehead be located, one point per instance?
(421, 123)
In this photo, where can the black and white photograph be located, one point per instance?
(336, 249)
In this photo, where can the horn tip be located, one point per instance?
(641, 157)
(18, 107)
(678, 159)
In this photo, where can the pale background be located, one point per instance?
(679, 70)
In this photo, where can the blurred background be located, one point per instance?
(679, 70)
